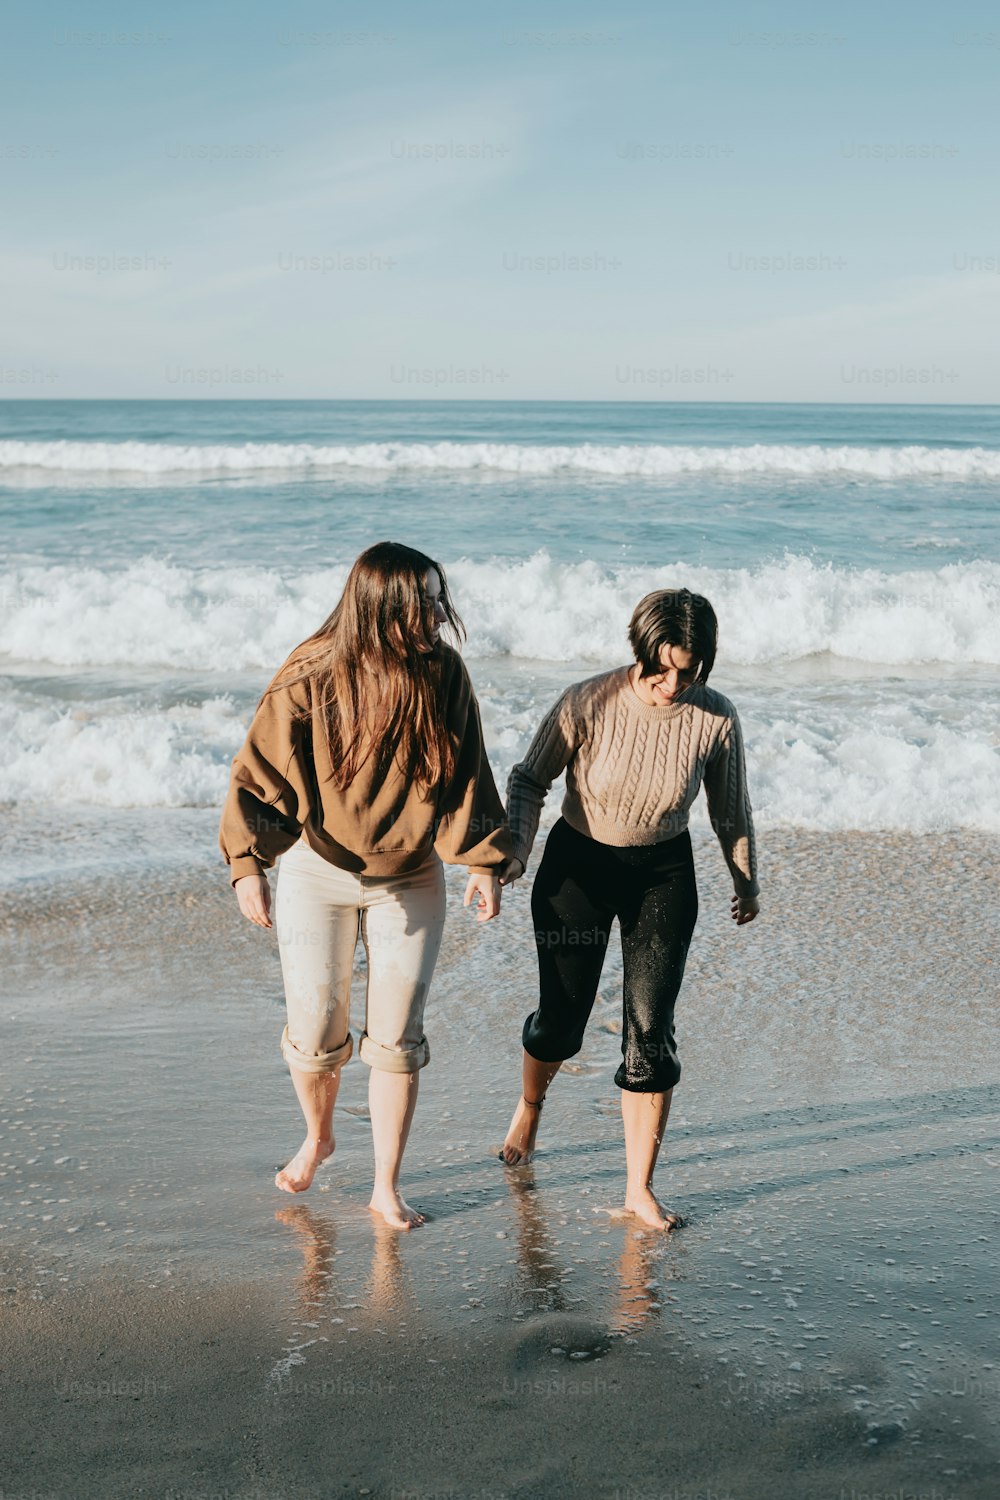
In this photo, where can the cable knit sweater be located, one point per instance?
(633, 770)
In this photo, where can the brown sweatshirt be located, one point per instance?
(280, 790)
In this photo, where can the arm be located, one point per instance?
(269, 785)
(471, 826)
(549, 753)
(729, 808)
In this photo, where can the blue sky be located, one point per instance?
(731, 202)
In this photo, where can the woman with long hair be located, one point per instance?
(636, 744)
(363, 769)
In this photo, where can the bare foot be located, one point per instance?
(300, 1171)
(397, 1213)
(641, 1203)
(519, 1146)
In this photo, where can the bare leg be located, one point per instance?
(317, 1094)
(645, 1117)
(392, 1098)
(519, 1146)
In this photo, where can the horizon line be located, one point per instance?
(473, 401)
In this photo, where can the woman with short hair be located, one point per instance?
(636, 743)
(363, 769)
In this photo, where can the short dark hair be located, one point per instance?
(674, 617)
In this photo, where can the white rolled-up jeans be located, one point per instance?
(320, 912)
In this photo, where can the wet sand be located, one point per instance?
(824, 1326)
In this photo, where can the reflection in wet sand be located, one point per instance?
(389, 1287)
(540, 1278)
(317, 1237)
(638, 1302)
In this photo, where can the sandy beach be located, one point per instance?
(824, 1325)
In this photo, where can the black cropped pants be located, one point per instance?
(580, 888)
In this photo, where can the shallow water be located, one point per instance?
(834, 1144)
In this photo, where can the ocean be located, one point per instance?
(161, 558)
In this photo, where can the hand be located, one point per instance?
(511, 871)
(744, 909)
(487, 888)
(254, 895)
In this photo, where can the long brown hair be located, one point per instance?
(381, 694)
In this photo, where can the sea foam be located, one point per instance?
(214, 620)
(852, 765)
(652, 460)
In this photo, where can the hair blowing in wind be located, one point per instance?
(375, 672)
